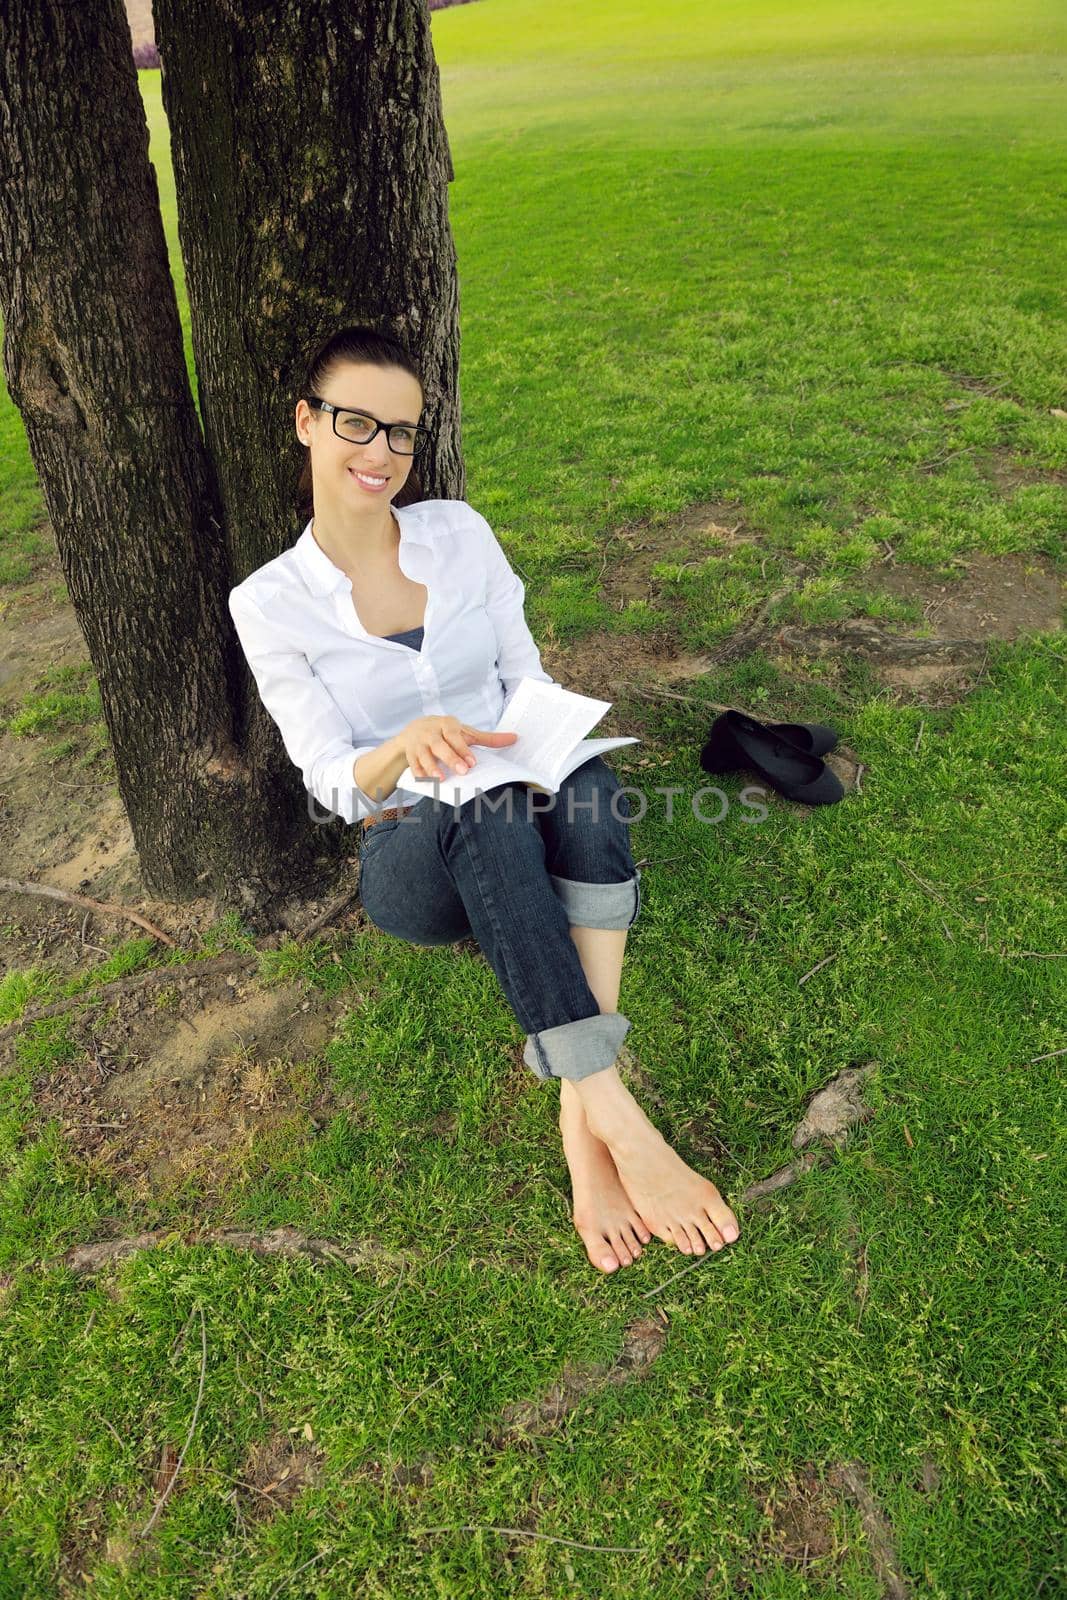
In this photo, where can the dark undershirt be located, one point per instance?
(412, 637)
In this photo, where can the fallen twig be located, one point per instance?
(918, 736)
(146, 1530)
(1049, 1056)
(815, 969)
(332, 910)
(46, 889)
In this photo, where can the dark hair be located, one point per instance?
(375, 349)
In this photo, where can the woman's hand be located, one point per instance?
(431, 740)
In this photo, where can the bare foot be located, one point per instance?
(604, 1214)
(679, 1205)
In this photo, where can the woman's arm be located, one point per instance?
(317, 736)
(377, 771)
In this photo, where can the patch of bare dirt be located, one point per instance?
(183, 1080)
(274, 1472)
(799, 1527)
(690, 537)
(84, 1542)
(60, 825)
(1008, 473)
(993, 597)
(934, 661)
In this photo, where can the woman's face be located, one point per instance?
(346, 475)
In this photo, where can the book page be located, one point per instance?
(549, 721)
(455, 789)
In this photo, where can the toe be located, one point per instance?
(724, 1220)
(598, 1248)
(710, 1232)
(633, 1239)
(621, 1248)
(696, 1239)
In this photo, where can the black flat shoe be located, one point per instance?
(721, 753)
(794, 773)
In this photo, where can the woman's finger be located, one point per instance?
(427, 763)
(451, 753)
(459, 744)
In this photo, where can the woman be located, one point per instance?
(393, 634)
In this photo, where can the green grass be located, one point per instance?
(764, 255)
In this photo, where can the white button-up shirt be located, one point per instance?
(337, 691)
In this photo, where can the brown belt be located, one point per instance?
(386, 816)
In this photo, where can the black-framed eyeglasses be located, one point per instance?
(359, 427)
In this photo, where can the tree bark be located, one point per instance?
(311, 165)
(93, 360)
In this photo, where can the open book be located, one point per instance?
(551, 723)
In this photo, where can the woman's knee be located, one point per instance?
(593, 790)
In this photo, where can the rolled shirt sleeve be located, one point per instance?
(517, 654)
(315, 732)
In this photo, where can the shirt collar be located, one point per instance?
(320, 574)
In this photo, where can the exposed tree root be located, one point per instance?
(85, 1259)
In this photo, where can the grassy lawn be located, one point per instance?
(805, 264)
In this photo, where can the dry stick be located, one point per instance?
(332, 910)
(47, 890)
(146, 1530)
(288, 1580)
(815, 969)
(526, 1533)
(644, 692)
(1049, 1056)
(918, 736)
(928, 887)
(407, 1407)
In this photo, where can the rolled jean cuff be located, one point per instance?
(600, 905)
(576, 1050)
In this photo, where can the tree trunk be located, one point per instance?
(312, 167)
(93, 360)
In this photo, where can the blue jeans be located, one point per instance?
(515, 869)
